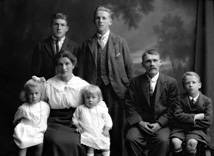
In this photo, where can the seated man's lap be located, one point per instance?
(135, 135)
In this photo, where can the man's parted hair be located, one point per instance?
(60, 15)
(150, 52)
(104, 8)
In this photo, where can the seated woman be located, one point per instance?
(63, 93)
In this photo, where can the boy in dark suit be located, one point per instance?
(105, 61)
(193, 117)
(148, 108)
(43, 57)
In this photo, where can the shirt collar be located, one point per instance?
(105, 36)
(155, 78)
(195, 98)
(60, 40)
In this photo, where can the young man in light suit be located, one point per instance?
(105, 61)
(148, 108)
(43, 57)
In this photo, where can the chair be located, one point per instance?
(203, 150)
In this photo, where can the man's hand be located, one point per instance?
(155, 127)
(145, 126)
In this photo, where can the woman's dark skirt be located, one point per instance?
(60, 137)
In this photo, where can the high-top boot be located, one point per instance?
(190, 152)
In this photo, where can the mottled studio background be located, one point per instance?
(169, 25)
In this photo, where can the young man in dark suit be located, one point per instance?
(43, 57)
(148, 108)
(105, 61)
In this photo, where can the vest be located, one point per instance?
(102, 67)
(152, 107)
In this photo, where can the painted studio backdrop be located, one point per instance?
(182, 30)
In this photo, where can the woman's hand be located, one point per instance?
(106, 133)
(79, 130)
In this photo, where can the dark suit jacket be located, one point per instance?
(138, 107)
(184, 116)
(43, 57)
(119, 63)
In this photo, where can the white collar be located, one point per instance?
(105, 36)
(195, 98)
(60, 40)
(155, 78)
(58, 84)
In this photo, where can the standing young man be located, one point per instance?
(148, 108)
(43, 56)
(105, 61)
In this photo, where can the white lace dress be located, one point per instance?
(93, 120)
(33, 123)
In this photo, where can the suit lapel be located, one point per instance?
(186, 102)
(92, 44)
(112, 46)
(159, 87)
(49, 46)
(199, 103)
(145, 88)
(65, 44)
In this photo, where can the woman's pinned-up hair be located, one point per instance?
(65, 53)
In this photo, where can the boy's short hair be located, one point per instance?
(60, 15)
(92, 89)
(150, 52)
(190, 73)
(104, 8)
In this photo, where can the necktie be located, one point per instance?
(151, 89)
(56, 45)
(192, 102)
(101, 42)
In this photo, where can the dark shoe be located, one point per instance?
(178, 153)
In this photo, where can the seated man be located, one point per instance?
(148, 108)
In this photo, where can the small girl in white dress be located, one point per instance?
(93, 121)
(31, 117)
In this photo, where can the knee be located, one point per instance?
(191, 146)
(130, 137)
(192, 143)
(163, 139)
(176, 142)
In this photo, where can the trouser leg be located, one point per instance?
(135, 142)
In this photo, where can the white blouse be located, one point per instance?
(61, 95)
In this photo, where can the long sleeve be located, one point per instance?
(127, 60)
(171, 100)
(185, 114)
(20, 114)
(36, 61)
(76, 117)
(107, 118)
(207, 121)
(131, 108)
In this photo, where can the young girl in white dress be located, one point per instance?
(31, 117)
(93, 121)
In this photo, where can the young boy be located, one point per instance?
(193, 117)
